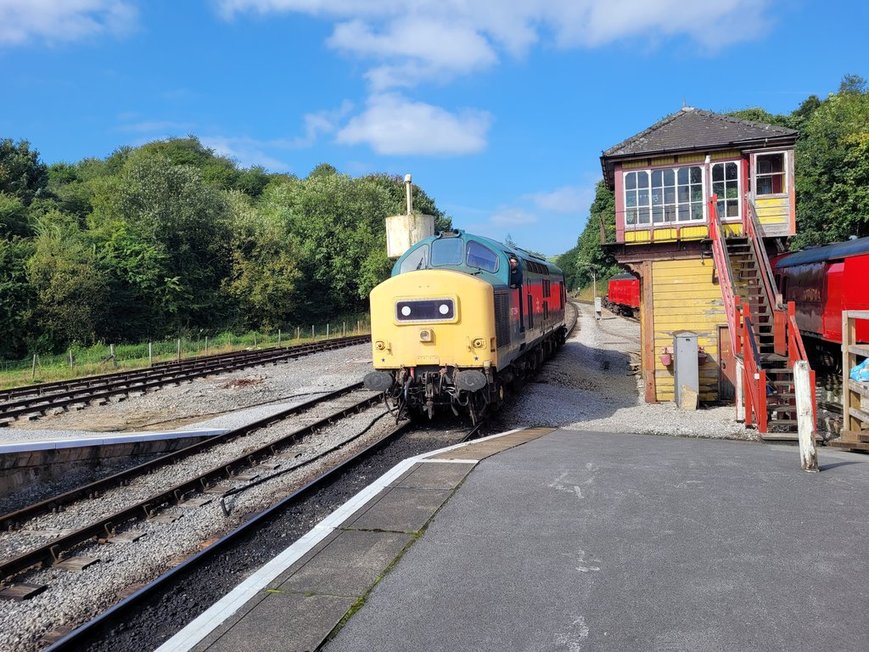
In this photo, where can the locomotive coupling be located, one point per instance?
(377, 381)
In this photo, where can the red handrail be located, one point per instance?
(722, 265)
(754, 377)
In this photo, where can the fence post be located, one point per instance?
(279, 337)
(298, 332)
(112, 355)
(33, 371)
(254, 339)
(150, 354)
(206, 345)
(312, 331)
(805, 423)
(70, 358)
(327, 330)
(178, 349)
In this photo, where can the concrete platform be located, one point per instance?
(562, 540)
(25, 460)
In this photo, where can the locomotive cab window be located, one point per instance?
(447, 251)
(416, 259)
(482, 257)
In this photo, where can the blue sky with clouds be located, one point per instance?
(499, 109)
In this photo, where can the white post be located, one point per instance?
(206, 345)
(298, 332)
(279, 337)
(312, 331)
(70, 358)
(327, 330)
(803, 390)
(740, 392)
(33, 371)
(150, 354)
(178, 349)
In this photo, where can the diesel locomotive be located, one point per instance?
(460, 319)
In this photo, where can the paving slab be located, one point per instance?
(289, 622)
(350, 564)
(594, 541)
(400, 509)
(434, 476)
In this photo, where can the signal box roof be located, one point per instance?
(691, 130)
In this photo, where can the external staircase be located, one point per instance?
(764, 335)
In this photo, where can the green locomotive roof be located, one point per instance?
(424, 255)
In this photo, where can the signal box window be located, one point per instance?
(664, 195)
(769, 176)
(482, 257)
(447, 251)
(725, 184)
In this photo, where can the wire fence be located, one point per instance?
(102, 358)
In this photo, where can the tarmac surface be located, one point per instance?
(583, 541)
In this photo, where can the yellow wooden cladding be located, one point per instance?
(664, 160)
(773, 210)
(723, 156)
(686, 298)
(634, 165)
(691, 158)
(666, 234)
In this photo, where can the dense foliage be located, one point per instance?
(832, 179)
(169, 239)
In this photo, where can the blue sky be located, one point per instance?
(500, 110)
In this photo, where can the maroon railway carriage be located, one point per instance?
(824, 281)
(623, 294)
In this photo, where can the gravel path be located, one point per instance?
(588, 386)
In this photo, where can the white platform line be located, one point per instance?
(205, 623)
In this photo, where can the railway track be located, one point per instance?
(133, 618)
(37, 400)
(200, 487)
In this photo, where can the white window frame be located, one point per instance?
(785, 172)
(738, 163)
(651, 224)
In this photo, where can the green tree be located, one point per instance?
(164, 232)
(71, 288)
(22, 175)
(830, 167)
(264, 266)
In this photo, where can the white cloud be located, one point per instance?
(393, 124)
(439, 39)
(322, 122)
(513, 217)
(58, 21)
(247, 152)
(567, 199)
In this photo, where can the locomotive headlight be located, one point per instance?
(379, 345)
(426, 335)
(479, 343)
